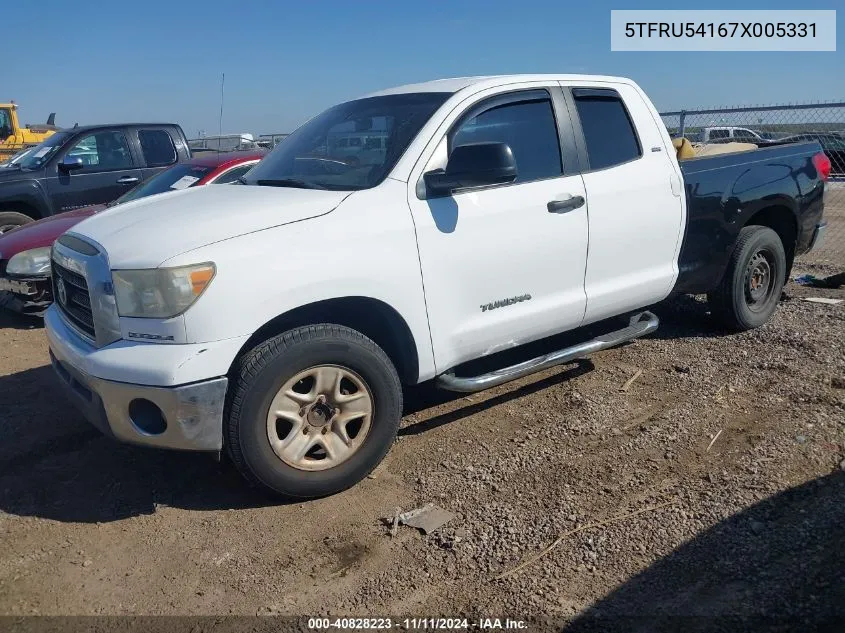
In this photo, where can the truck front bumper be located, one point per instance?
(186, 417)
(25, 295)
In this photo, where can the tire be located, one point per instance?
(11, 220)
(745, 300)
(256, 384)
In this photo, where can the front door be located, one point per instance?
(501, 266)
(109, 170)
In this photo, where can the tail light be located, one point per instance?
(822, 164)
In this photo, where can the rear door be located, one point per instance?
(109, 170)
(501, 265)
(157, 147)
(636, 205)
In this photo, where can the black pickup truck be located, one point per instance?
(86, 165)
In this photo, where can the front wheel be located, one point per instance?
(11, 220)
(752, 285)
(312, 411)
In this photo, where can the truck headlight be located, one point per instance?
(35, 261)
(160, 293)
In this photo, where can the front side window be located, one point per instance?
(328, 152)
(608, 130)
(528, 127)
(102, 151)
(157, 147)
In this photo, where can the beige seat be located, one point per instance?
(684, 149)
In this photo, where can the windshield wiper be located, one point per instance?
(288, 182)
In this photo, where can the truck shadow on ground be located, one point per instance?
(777, 566)
(16, 321)
(55, 465)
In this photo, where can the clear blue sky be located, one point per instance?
(286, 60)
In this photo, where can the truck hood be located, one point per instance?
(146, 232)
(42, 232)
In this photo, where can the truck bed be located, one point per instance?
(725, 191)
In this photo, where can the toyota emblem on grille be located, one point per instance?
(61, 291)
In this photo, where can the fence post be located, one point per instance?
(681, 124)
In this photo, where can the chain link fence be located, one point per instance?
(822, 122)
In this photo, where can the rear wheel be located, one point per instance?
(752, 285)
(11, 220)
(313, 411)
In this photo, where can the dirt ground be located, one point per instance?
(740, 439)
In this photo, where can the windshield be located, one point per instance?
(42, 152)
(177, 177)
(16, 158)
(350, 146)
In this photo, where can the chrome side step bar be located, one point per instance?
(640, 325)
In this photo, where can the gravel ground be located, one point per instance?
(737, 438)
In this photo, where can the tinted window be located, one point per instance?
(157, 147)
(608, 131)
(315, 156)
(719, 134)
(232, 175)
(102, 151)
(528, 127)
(177, 177)
(743, 136)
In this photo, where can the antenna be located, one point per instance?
(220, 137)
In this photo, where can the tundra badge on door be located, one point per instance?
(504, 302)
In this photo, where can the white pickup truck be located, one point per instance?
(280, 318)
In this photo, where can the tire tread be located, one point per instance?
(721, 300)
(251, 364)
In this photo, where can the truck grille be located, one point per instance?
(74, 300)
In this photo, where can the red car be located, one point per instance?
(25, 251)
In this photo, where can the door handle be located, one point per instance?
(565, 204)
(127, 180)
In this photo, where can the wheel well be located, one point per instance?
(373, 318)
(21, 207)
(782, 221)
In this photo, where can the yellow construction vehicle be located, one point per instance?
(15, 137)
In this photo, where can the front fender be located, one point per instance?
(26, 192)
(365, 248)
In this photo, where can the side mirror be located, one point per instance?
(473, 165)
(71, 163)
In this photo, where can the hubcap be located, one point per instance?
(759, 280)
(320, 417)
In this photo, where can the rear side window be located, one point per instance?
(232, 175)
(528, 127)
(157, 147)
(720, 134)
(608, 131)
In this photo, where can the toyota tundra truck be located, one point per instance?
(280, 318)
